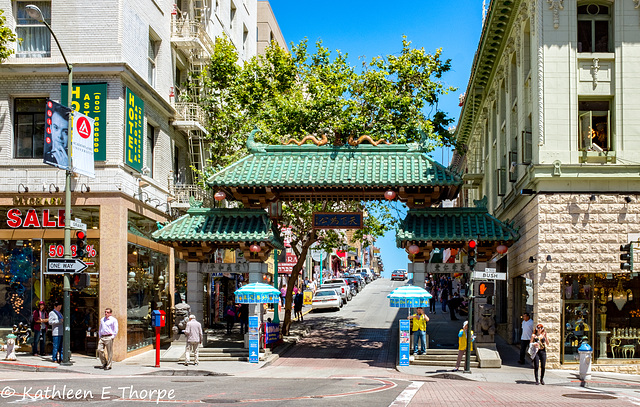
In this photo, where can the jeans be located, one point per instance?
(419, 336)
(38, 339)
(432, 303)
(444, 304)
(57, 347)
(539, 360)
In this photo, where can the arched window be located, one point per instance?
(594, 28)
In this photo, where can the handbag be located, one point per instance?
(230, 312)
(533, 349)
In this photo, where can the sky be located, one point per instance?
(372, 28)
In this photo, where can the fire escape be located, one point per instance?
(190, 38)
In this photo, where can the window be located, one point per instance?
(149, 146)
(593, 28)
(594, 127)
(153, 55)
(232, 16)
(35, 37)
(29, 127)
(245, 37)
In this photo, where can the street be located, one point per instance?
(347, 359)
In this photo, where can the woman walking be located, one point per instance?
(539, 340)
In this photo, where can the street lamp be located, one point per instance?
(35, 13)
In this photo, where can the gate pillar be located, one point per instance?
(419, 271)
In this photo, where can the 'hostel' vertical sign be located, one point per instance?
(133, 132)
(90, 99)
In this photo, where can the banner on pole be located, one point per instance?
(91, 99)
(82, 145)
(56, 135)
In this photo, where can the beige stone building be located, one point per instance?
(551, 127)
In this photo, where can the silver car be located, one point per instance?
(326, 298)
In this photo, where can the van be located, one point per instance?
(370, 275)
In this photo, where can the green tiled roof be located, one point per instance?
(453, 225)
(223, 226)
(329, 166)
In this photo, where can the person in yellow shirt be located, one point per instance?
(462, 344)
(419, 330)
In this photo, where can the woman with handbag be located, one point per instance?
(538, 346)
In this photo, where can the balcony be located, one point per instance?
(189, 116)
(181, 195)
(188, 34)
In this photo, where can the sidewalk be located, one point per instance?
(144, 363)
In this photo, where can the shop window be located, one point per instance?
(29, 127)
(35, 38)
(147, 290)
(20, 269)
(594, 28)
(603, 311)
(594, 118)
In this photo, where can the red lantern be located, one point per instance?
(389, 195)
(502, 249)
(254, 248)
(414, 249)
(219, 196)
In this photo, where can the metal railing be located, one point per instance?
(182, 193)
(189, 111)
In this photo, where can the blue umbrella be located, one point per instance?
(409, 297)
(257, 293)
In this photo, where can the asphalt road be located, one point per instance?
(347, 360)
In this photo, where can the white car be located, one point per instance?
(367, 270)
(341, 286)
(326, 298)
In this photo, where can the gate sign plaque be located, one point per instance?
(343, 220)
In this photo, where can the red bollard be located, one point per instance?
(157, 346)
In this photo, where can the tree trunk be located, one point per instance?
(295, 273)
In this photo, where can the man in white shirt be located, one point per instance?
(525, 338)
(108, 331)
(57, 330)
(194, 335)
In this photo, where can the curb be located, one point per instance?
(23, 367)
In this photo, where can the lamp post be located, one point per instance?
(35, 13)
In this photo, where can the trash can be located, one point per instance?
(585, 352)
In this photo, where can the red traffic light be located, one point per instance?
(472, 244)
(80, 234)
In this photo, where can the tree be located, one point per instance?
(292, 94)
(6, 36)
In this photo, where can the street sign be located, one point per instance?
(61, 266)
(489, 275)
(77, 224)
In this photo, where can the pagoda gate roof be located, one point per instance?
(328, 172)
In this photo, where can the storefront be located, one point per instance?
(603, 309)
(127, 271)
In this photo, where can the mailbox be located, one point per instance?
(158, 318)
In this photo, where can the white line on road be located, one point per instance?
(406, 396)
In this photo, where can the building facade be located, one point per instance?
(130, 61)
(552, 140)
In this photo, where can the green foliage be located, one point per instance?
(6, 36)
(298, 93)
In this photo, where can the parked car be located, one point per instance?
(341, 285)
(354, 284)
(326, 298)
(369, 273)
(399, 275)
(361, 281)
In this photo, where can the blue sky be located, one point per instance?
(372, 28)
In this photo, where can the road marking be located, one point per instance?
(406, 396)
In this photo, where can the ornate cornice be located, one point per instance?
(556, 6)
(637, 3)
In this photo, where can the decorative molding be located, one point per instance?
(556, 6)
(532, 16)
(518, 46)
(595, 67)
(540, 45)
(637, 3)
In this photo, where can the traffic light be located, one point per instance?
(626, 257)
(81, 243)
(471, 253)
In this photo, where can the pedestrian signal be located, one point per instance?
(485, 289)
